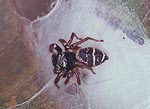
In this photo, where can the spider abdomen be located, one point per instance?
(91, 56)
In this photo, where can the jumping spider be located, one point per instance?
(65, 62)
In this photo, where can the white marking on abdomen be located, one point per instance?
(93, 56)
(103, 57)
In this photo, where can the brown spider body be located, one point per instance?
(74, 57)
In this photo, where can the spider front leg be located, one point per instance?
(67, 44)
(84, 40)
(63, 42)
(73, 35)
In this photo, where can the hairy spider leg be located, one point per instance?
(56, 47)
(57, 79)
(68, 77)
(82, 65)
(84, 40)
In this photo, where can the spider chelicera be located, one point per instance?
(65, 62)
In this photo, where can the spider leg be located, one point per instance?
(78, 77)
(56, 47)
(73, 35)
(68, 77)
(63, 42)
(84, 40)
(57, 79)
(67, 44)
(82, 65)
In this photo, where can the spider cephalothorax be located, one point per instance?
(74, 57)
